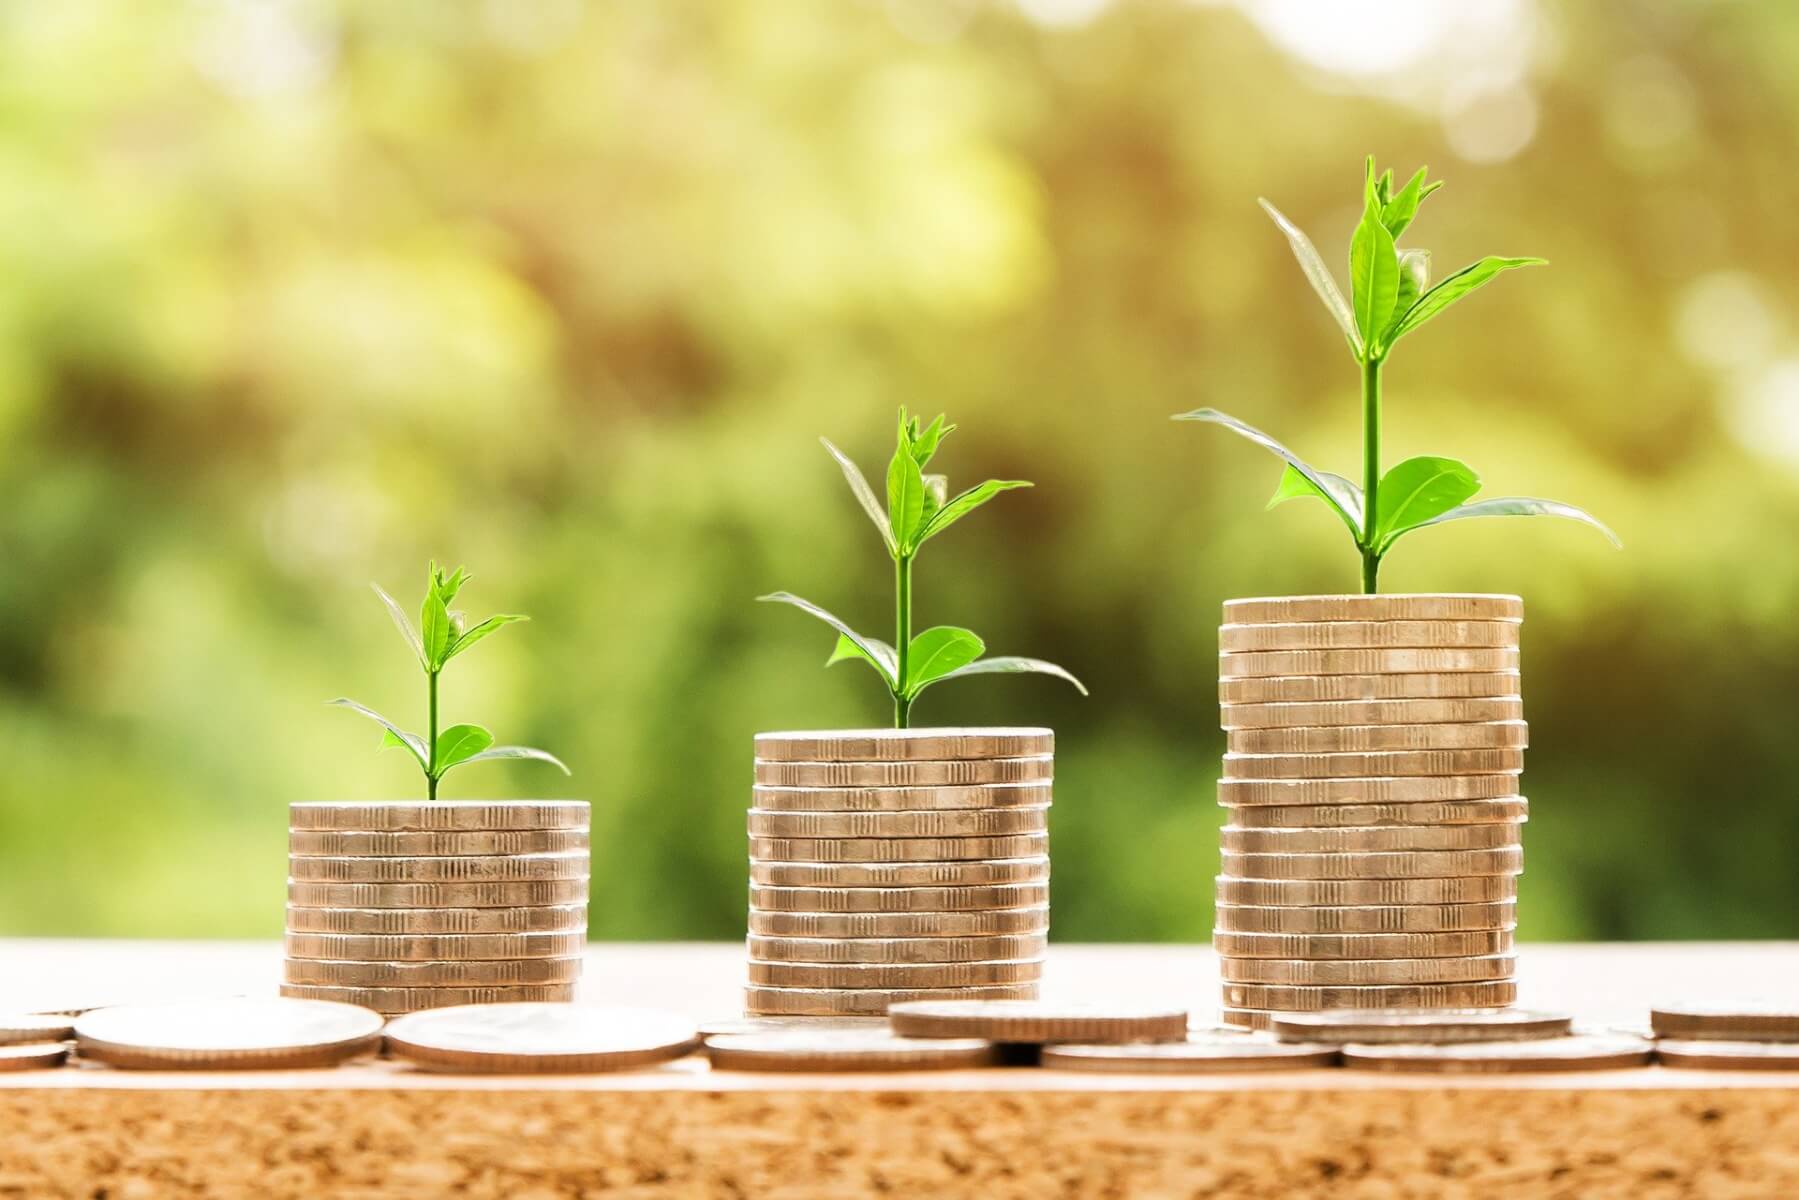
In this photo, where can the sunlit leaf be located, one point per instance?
(1418, 490)
(402, 622)
(1339, 492)
(482, 630)
(924, 446)
(1456, 286)
(435, 629)
(1294, 485)
(411, 741)
(499, 752)
(1414, 278)
(1520, 506)
(459, 743)
(1316, 273)
(1014, 665)
(871, 648)
(937, 652)
(1373, 271)
(965, 503)
(864, 495)
(905, 498)
(873, 651)
(1398, 210)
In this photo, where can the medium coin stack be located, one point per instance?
(1374, 746)
(403, 907)
(897, 864)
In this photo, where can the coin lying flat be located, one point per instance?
(914, 874)
(413, 999)
(1493, 994)
(455, 947)
(486, 973)
(227, 1035)
(1356, 635)
(465, 869)
(1361, 973)
(1728, 1056)
(1384, 606)
(901, 799)
(1408, 661)
(539, 1039)
(1338, 893)
(897, 900)
(895, 849)
(563, 918)
(895, 950)
(1404, 918)
(1034, 768)
(1322, 946)
(1234, 793)
(1738, 1021)
(526, 892)
(1370, 816)
(1195, 1056)
(1368, 839)
(1336, 713)
(25, 1029)
(1038, 1022)
(935, 823)
(1414, 1026)
(442, 814)
(1577, 1053)
(32, 1056)
(1396, 864)
(843, 1050)
(1340, 739)
(733, 1026)
(1362, 764)
(1410, 685)
(894, 975)
(433, 843)
(1032, 918)
(869, 745)
(872, 1001)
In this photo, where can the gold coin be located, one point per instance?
(878, 850)
(1355, 635)
(455, 947)
(894, 975)
(901, 799)
(977, 923)
(1318, 688)
(1369, 839)
(1370, 816)
(734, 1026)
(827, 1002)
(1751, 1020)
(507, 972)
(1340, 893)
(889, 745)
(570, 865)
(1036, 768)
(1248, 1019)
(415, 922)
(433, 842)
(1419, 1026)
(442, 814)
(897, 900)
(1337, 739)
(1397, 864)
(1399, 661)
(393, 1000)
(1492, 994)
(1362, 972)
(1416, 789)
(1367, 919)
(896, 950)
(1728, 1056)
(955, 823)
(227, 1035)
(28, 1029)
(539, 1038)
(1228, 1054)
(533, 892)
(846, 1050)
(1318, 946)
(1336, 713)
(1038, 1022)
(916, 874)
(1383, 606)
(31, 1056)
(1504, 1058)
(1374, 764)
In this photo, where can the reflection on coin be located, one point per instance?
(1368, 839)
(413, 999)
(894, 975)
(940, 823)
(1397, 864)
(563, 918)
(916, 874)
(1041, 1021)
(897, 900)
(898, 950)
(844, 1050)
(31, 1056)
(1751, 1020)
(227, 1034)
(1417, 1026)
(1367, 816)
(1233, 793)
(1334, 893)
(1367, 919)
(1339, 739)
(568, 865)
(731, 1026)
(870, 745)
(1353, 972)
(442, 814)
(1353, 635)
(1416, 660)
(1577, 1053)
(1032, 769)
(1373, 763)
(434, 843)
(25, 1029)
(532, 892)
(845, 1001)
(1385, 606)
(1728, 1056)
(489, 973)
(980, 923)
(877, 850)
(1421, 685)
(1334, 713)
(1494, 994)
(448, 947)
(1321, 946)
(901, 799)
(539, 1039)
(1195, 1056)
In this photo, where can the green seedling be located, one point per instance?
(1390, 296)
(919, 507)
(441, 635)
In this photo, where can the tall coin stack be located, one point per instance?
(1374, 747)
(402, 907)
(897, 864)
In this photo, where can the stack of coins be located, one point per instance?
(897, 864)
(402, 907)
(1372, 855)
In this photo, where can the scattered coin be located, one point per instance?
(442, 814)
(1708, 1055)
(1422, 789)
(1369, 816)
(1374, 763)
(393, 1000)
(1577, 1053)
(938, 823)
(1409, 661)
(893, 950)
(1354, 635)
(532, 892)
(433, 843)
(227, 1035)
(915, 874)
(1342, 739)
(977, 923)
(882, 849)
(413, 922)
(1335, 713)
(1038, 1022)
(846, 1050)
(1195, 1056)
(1396, 864)
(1368, 839)
(1338, 893)
(869, 745)
(539, 1039)
(1418, 1026)
(897, 900)
(1739, 1021)
(1386, 606)
(31, 1056)
(25, 1029)
(1416, 685)
(901, 799)
(850, 1001)
(1492, 994)
(1032, 769)
(494, 973)
(509, 867)
(456, 947)
(732, 1026)
(894, 975)
(1337, 946)
(1363, 973)
(1367, 919)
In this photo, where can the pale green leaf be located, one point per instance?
(1397, 212)
(937, 652)
(1419, 489)
(1316, 273)
(965, 503)
(1294, 485)
(1454, 287)
(1342, 495)
(498, 752)
(402, 623)
(411, 741)
(864, 495)
(1014, 665)
(905, 498)
(435, 629)
(459, 743)
(484, 629)
(870, 647)
(1521, 506)
(924, 446)
(873, 651)
(1373, 274)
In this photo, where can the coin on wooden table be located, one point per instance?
(1368, 816)
(826, 1002)
(454, 947)
(873, 745)
(1413, 1026)
(1367, 919)
(393, 1000)
(1414, 685)
(539, 1039)
(914, 874)
(901, 799)
(227, 1035)
(940, 823)
(897, 900)
(1336, 713)
(845, 1050)
(1417, 660)
(898, 950)
(894, 975)
(31, 1056)
(1385, 606)
(1421, 789)
(1490, 994)
(1576, 1053)
(1394, 864)
(1035, 768)
(25, 1029)
(471, 869)
(442, 814)
(1337, 739)
(733, 1026)
(1039, 1022)
(411, 922)
(1340, 893)
(1751, 1020)
(1355, 635)
(978, 923)
(506, 972)
(1319, 946)
(431, 843)
(1195, 1056)
(1373, 764)
(1366, 972)
(1728, 1056)
(531, 892)
(870, 850)
(1369, 839)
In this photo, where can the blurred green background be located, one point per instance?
(296, 295)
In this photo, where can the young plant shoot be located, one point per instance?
(919, 508)
(1390, 296)
(442, 634)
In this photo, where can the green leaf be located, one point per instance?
(493, 623)
(498, 752)
(459, 743)
(936, 494)
(1398, 210)
(1014, 665)
(938, 651)
(446, 586)
(924, 446)
(405, 626)
(1373, 272)
(965, 503)
(1414, 277)
(1419, 489)
(864, 495)
(411, 741)
(905, 498)
(435, 629)
(1454, 287)
(1316, 273)
(878, 655)
(1293, 485)
(1521, 506)
(1341, 494)
(1385, 189)
(871, 648)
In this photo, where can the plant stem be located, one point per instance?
(902, 636)
(1370, 471)
(431, 746)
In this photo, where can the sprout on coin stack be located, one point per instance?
(1374, 741)
(896, 864)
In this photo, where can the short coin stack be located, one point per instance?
(1374, 749)
(897, 864)
(402, 907)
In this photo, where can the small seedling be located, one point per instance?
(1390, 296)
(919, 507)
(441, 635)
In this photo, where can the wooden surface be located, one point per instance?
(381, 1130)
